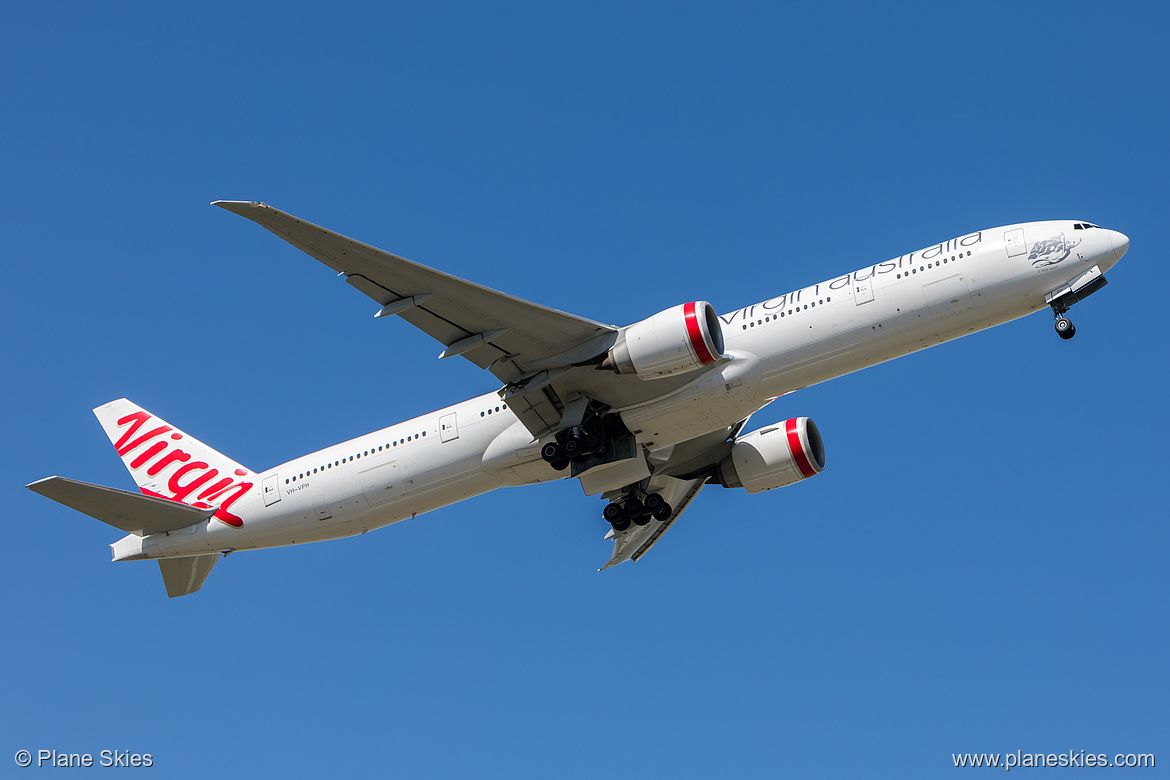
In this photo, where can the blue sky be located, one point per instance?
(981, 568)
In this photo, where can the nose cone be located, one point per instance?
(1120, 244)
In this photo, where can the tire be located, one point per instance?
(572, 446)
(613, 513)
(1063, 326)
(633, 506)
(593, 443)
(653, 501)
(560, 465)
(622, 524)
(642, 519)
(552, 452)
(663, 512)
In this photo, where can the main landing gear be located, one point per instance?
(588, 436)
(572, 445)
(639, 511)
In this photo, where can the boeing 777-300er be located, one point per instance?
(642, 415)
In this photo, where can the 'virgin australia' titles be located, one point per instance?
(843, 282)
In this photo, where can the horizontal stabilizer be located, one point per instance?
(130, 512)
(186, 575)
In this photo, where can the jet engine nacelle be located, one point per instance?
(774, 456)
(674, 341)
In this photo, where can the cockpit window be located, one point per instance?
(1083, 226)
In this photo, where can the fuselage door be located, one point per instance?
(448, 431)
(863, 291)
(948, 296)
(271, 489)
(382, 483)
(1014, 239)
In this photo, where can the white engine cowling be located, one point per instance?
(680, 339)
(774, 456)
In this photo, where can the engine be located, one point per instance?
(674, 341)
(774, 456)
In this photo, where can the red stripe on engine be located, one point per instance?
(695, 333)
(802, 461)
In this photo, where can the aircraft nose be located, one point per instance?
(1120, 244)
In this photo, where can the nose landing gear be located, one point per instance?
(1078, 289)
(1063, 325)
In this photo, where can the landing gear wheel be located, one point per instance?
(642, 519)
(613, 513)
(653, 501)
(622, 524)
(1064, 328)
(593, 443)
(572, 446)
(663, 512)
(633, 506)
(552, 452)
(560, 465)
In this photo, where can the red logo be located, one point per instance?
(190, 477)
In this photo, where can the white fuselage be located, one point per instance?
(773, 347)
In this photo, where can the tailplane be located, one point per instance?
(183, 481)
(129, 512)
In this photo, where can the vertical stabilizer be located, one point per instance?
(168, 463)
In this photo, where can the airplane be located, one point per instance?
(643, 415)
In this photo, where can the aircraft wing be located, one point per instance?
(632, 543)
(510, 337)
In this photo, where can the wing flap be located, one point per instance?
(129, 512)
(455, 310)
